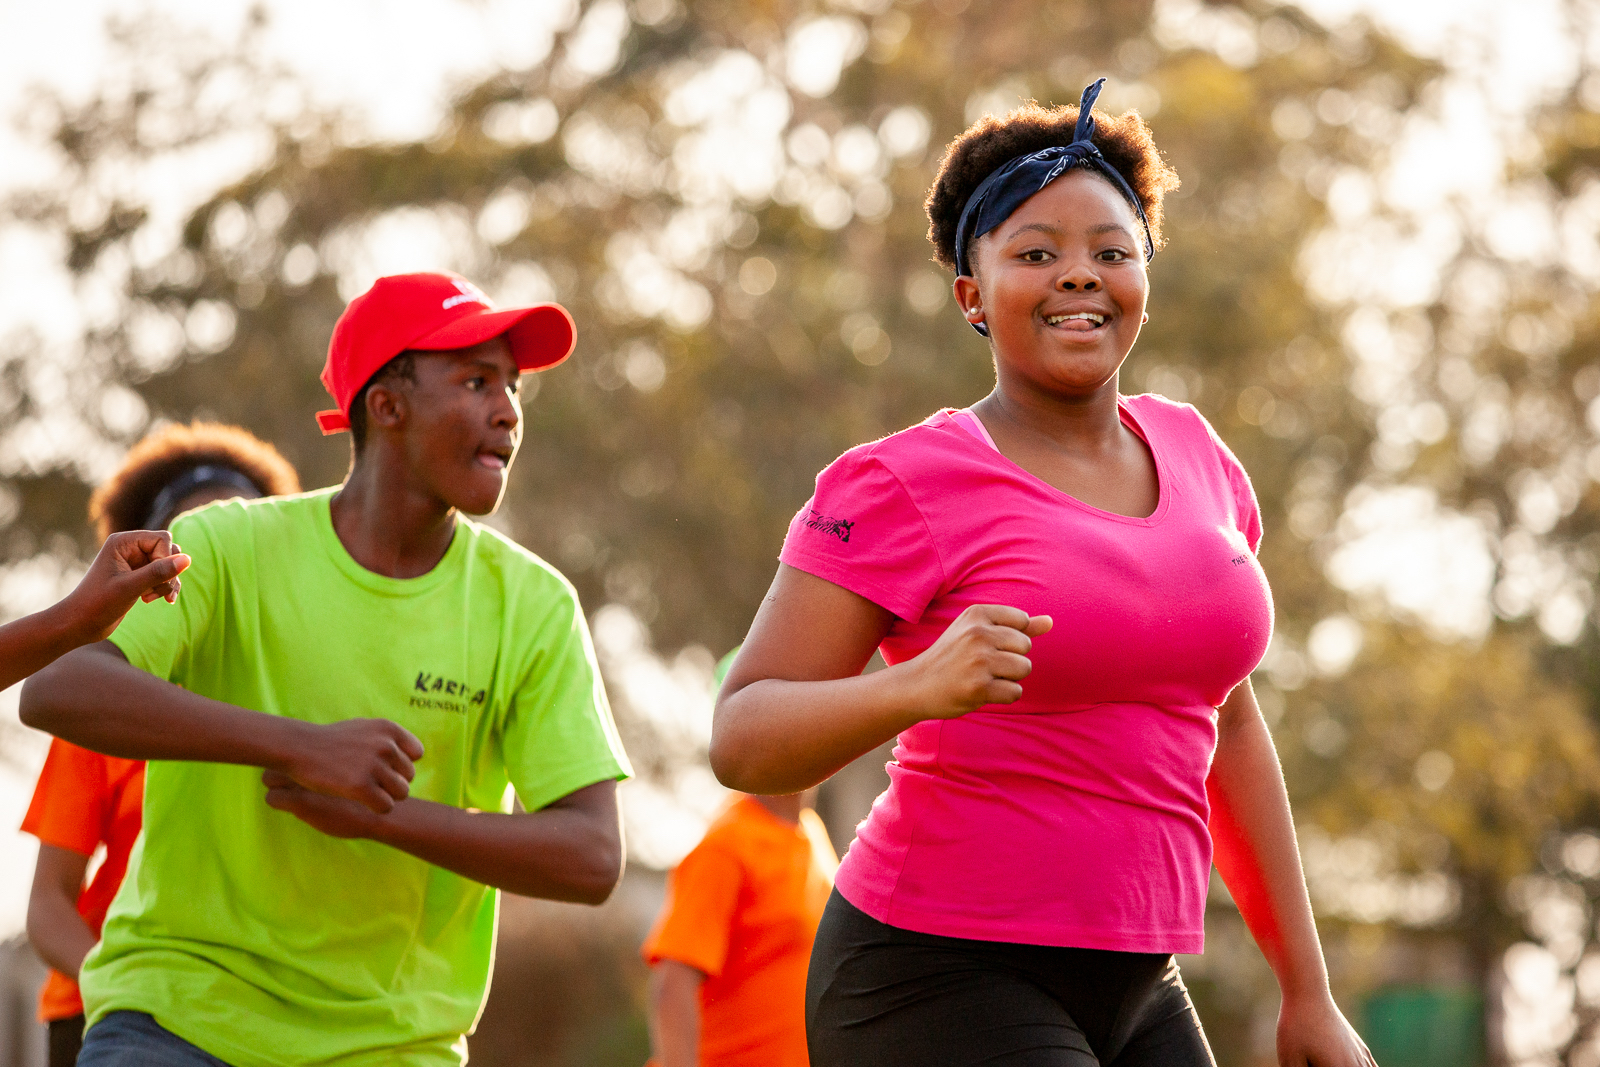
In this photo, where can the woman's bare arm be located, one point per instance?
(1256, 854)
(675, 1013)
(795, 706)
(130, 567)
(58, 933)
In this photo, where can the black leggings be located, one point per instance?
(66, 1041)
(879, 996)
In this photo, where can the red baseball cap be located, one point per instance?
(430, 312)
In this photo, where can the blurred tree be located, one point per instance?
(727, 196)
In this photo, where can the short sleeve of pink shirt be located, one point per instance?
(859, 501)
(1076, 816)
(1247, 514)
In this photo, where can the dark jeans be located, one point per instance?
(134, 1039)
(885, 997)
(66, 1038)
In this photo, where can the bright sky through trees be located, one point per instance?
(1380, 288)
(390, 66)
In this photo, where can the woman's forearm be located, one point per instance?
(675, 1018)
(775, 737)
(55, 929)
(132, 566)
(795, 706)
(1255, 849)
(59, 935)
(33, 642)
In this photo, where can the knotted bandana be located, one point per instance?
(1004, 190)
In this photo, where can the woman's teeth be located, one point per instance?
(1090, 317)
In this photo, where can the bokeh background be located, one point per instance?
(1381, 287)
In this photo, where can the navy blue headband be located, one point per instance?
(1004, 190)
(192, 481)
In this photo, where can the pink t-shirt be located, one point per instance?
(1076, 816)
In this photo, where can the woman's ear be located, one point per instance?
(968, 296)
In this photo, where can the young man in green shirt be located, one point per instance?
(339, 708)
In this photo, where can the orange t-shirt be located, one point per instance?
(743, 907)
(84, 800)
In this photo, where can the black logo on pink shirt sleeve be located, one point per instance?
(839, 528)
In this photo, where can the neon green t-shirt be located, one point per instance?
(264, 942)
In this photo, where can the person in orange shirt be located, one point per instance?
(733, 941)
(83, 799)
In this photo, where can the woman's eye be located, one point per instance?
(1113, 255)
(1035, 255)
(475, 383)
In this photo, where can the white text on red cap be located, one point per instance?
(470, 294)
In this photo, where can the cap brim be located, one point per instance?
(332, 422)
(540, 336)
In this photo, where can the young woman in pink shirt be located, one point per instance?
(1063, 582)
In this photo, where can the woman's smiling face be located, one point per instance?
(1061, 286)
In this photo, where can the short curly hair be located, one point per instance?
(990, 143)
(124, 500)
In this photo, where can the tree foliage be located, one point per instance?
(728, 198)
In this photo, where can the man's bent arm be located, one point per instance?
(570, 850)
(94, 698)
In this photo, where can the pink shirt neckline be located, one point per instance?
(973, 427)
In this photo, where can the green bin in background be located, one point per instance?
(1424, 1026)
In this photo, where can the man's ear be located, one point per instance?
(387, 406)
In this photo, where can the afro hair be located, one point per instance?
(124, 501)
(990, 143)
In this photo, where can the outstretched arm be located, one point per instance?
(1259, 860)
(569, 850)
(140, 565)
(95, 698)
(795, 706)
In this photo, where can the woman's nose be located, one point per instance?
(1078, 279)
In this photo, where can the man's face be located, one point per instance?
(464, 423)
